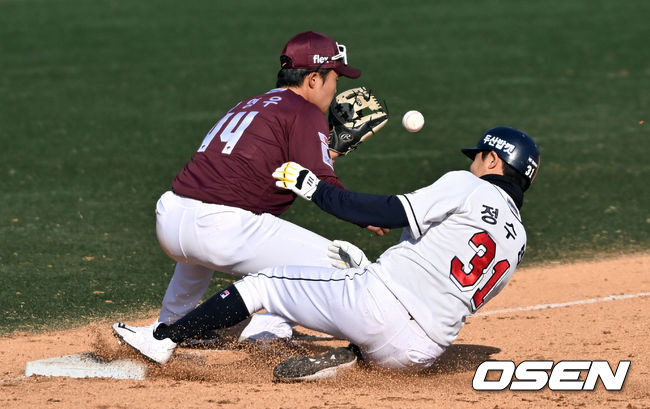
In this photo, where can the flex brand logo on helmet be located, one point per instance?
(564, 376)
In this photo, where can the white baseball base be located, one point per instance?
(86, 365)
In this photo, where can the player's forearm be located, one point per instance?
(360, 208)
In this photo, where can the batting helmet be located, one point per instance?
(513, 146)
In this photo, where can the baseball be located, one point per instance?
(413, 121)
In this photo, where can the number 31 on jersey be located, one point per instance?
(485, 249)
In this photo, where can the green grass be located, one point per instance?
(102, 102)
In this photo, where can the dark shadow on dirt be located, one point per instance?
(461, 358)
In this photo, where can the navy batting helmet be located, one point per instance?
(513, 146)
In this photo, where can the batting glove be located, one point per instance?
(343, 254)
(292, 176)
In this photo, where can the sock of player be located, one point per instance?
(222, 310)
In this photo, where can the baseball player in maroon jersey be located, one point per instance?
(221, 213)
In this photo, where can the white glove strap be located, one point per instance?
(306, 184)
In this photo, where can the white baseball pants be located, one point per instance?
(352, 304)
(204, 237)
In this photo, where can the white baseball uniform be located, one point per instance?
(204, 237)
(465, 239)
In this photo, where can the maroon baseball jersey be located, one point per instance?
(234, 163)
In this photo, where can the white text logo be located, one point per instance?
(564, 376)
(320, 60)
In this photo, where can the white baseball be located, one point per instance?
(413, 121)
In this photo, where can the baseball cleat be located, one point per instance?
(142, 340)
(305, 368)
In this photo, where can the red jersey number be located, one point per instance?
(485, 249)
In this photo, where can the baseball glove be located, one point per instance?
(354, 116)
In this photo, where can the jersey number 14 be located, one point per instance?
(485, 249)
(235, 127)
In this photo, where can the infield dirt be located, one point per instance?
(240, 377)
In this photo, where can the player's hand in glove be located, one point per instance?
(346, 255)
(354, 116)
(292, 176)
